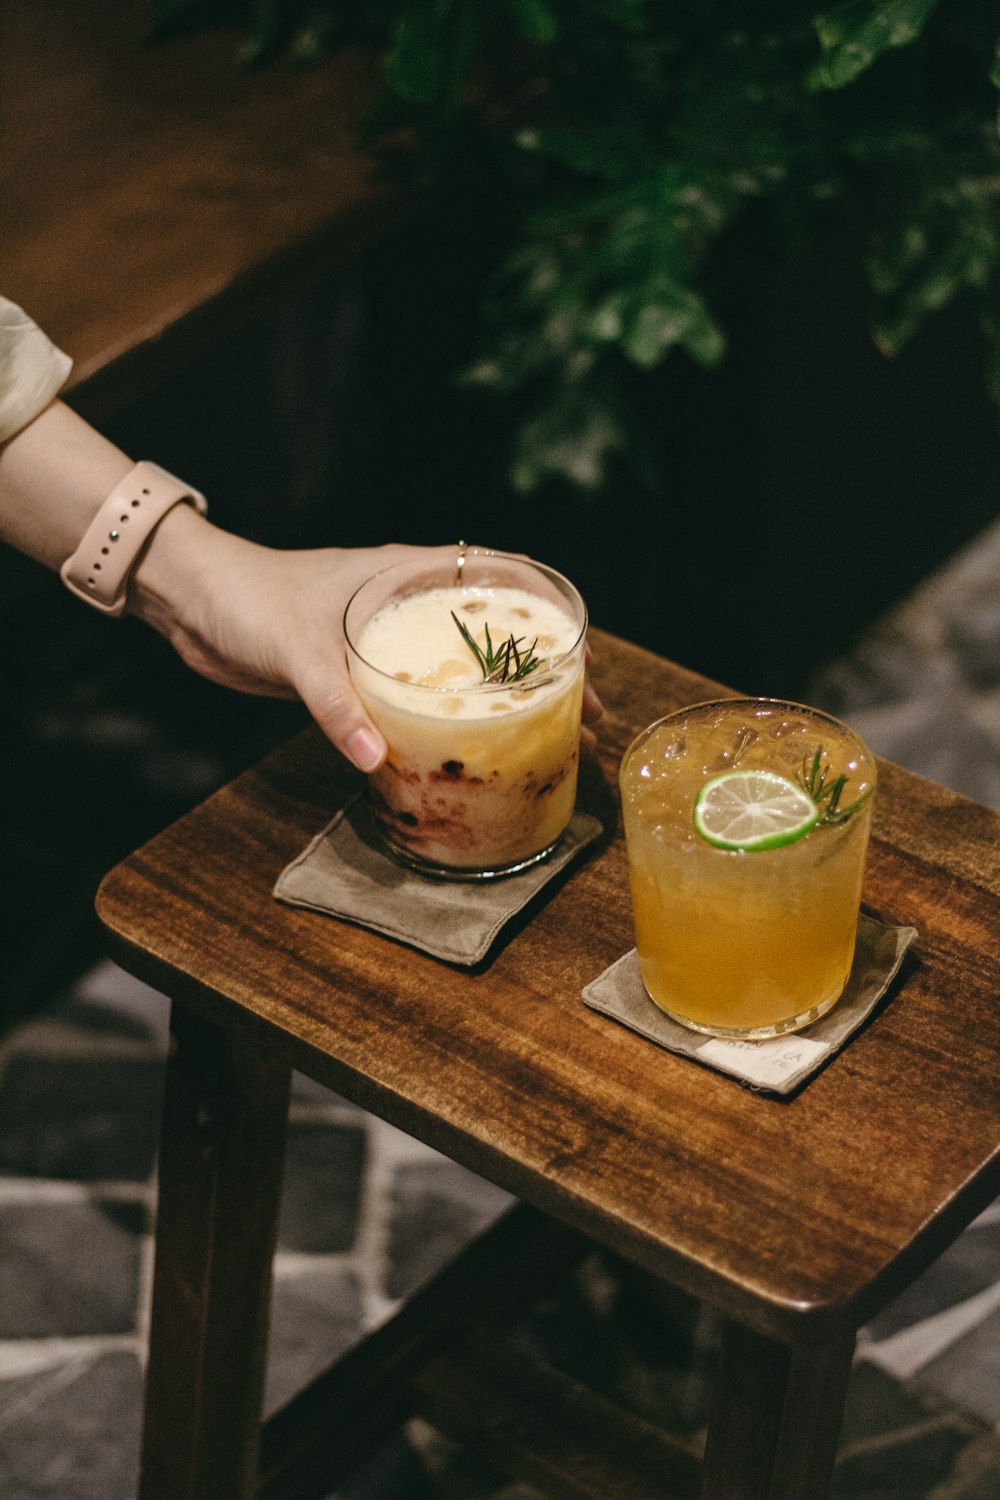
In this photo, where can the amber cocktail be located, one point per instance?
(746, 824)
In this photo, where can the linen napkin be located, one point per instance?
(346, 873)
(780, 1064)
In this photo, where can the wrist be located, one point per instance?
(100, 569)
(173, 569)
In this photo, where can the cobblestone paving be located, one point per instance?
(369, 1213)
(923, 686)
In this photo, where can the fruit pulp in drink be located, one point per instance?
(480, 776)
(743, 942)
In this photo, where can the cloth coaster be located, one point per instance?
(781, 1064)
(346, 873)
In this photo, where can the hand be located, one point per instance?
(270, 622)
(246, 616)
(593, 708)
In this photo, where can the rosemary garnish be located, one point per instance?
(508, 662)
(814, 779)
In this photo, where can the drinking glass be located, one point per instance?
(746, 942)
(481, 775)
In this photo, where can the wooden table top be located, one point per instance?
(795, 1215)
(154, 197)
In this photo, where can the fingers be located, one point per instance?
(314, 660)
(364, 747)
(344, 722)
(593, 708)
(358, 742)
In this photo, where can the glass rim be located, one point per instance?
(483, 688)
(762, 701)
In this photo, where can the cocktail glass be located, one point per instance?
(481, 775)
(745, 942)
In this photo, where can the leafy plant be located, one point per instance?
(622, 141)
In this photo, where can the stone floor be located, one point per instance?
(368, 1213)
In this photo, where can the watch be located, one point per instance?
(100, 568)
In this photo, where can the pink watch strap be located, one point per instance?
(100, 567)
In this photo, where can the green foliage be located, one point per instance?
(300, 32)
(855, 35)
(614, 146)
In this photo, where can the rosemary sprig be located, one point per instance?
(815, 780)
(508, 662)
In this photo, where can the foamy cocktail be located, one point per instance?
(472, 667)
(746, 825)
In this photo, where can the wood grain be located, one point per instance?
(220, 1169)
(548, 1430)
(155, 197)
(310, 1444)
(798, 1217)
(774, 1423)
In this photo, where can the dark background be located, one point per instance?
(808, 485)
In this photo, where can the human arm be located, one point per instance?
(246, 616)
(249, 617)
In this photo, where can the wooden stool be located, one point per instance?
(798, 1218)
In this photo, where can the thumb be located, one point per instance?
(363, 746)
(344, 722)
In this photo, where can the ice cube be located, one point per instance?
(445, 674)
(733, 752)
(673, 749)
(782, 728)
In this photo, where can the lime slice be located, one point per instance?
(753, 810)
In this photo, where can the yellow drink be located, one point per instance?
(743, 942)
(481, 777)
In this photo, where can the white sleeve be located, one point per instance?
(32, 369)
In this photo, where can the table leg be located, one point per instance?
(221, 1161)
(776, 1418)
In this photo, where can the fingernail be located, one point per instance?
(365, 749)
